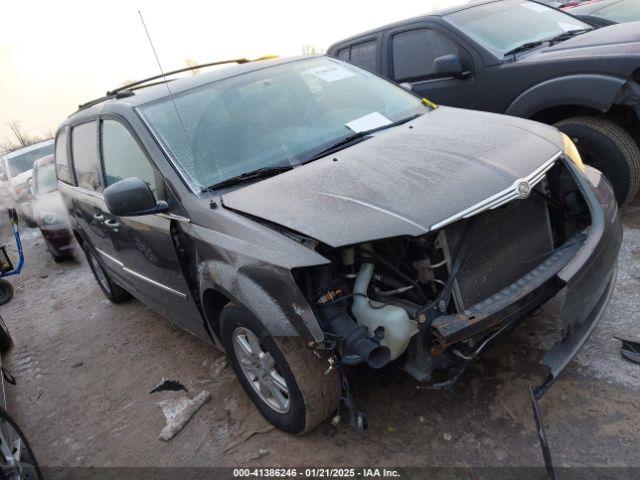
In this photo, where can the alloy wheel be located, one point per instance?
(260, 369)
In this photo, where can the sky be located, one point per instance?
(56, 55)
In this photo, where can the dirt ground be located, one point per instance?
(84, 369)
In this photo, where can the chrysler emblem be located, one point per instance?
(523, 189)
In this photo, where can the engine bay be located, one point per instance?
(437, 300)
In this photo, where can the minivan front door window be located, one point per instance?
(122, 157)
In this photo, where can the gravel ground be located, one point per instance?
(85, 367)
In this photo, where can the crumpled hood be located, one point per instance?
(402, 180)
(621, 40)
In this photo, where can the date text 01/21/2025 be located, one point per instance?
(315, 473)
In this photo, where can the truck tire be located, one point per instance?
(114, 292)
(6, 291)
(279, 367)
(608, 147)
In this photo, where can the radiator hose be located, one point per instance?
(357, 347)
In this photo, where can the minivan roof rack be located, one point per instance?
(127, 90)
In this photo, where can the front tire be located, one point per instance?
(114, 292)
(284, 378)
(608, 147)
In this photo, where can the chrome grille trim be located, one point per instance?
(500, 198)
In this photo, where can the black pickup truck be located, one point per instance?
(525, 59)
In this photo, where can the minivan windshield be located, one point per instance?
(47, 181)
(273, 118)
(22, 162)
(503, 26)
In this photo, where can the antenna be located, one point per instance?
(164, 78)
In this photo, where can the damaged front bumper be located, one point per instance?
(589, 278)
(581, 274)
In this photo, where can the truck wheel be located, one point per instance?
(608, 147)
(6, 292)
(114, 292)
(284, 378)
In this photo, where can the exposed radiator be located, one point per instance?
(504, 245)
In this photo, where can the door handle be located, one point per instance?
(111, 223)
(98, 216)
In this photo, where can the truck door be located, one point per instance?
(422, 56)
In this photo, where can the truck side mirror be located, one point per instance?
(449, 66)
(131, 197)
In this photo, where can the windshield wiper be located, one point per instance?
(558, 38)
(252, 175)
(524, 47)
(567, 35)
(334, 147)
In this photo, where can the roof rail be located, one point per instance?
(127, 90)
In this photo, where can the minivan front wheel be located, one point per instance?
(111, 290)
(283, 377)
(608, 147)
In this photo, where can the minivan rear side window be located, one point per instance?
(364, 55)
(84, 152)
(122, 157)
(62, 160)
(414, 52)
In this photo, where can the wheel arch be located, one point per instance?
(269, 293)
(595, 93)
(213, 301)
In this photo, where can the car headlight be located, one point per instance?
(571, 151)
(49, 219)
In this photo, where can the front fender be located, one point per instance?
(267, 291)
(594, 91)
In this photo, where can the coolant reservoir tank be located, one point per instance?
(398, 327)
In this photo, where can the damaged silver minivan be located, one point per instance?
(308, 216)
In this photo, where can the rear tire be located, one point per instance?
(6, 291)
(312, 395)
(114, 292)
(608, 147)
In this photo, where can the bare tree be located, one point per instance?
(311, 50)
(22, 139)
(190, 62)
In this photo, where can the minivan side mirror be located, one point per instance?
(131, 197)
(449, 66)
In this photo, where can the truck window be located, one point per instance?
(414, 52)
(122, 157)
(62, 161)
(84, 152)
(364, 55)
